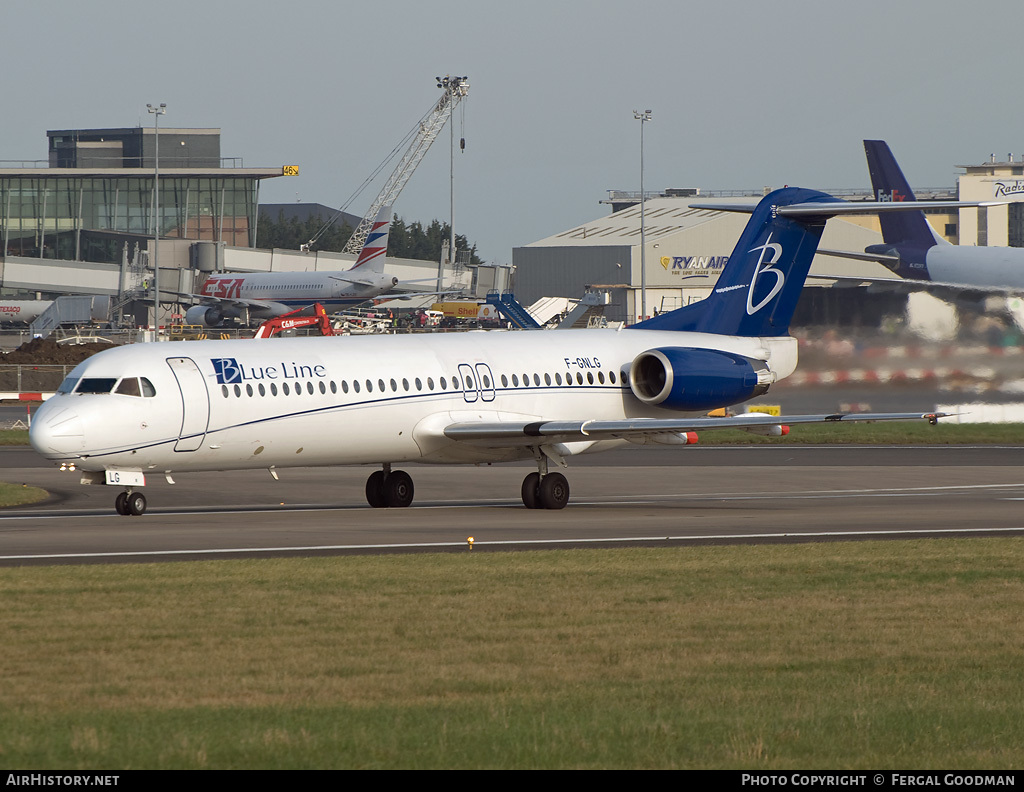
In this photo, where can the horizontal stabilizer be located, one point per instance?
(832, 209)
(881, 258)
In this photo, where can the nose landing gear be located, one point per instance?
(129, 502)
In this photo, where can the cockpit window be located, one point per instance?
(135, 386)
(96, 385)
(129, 386)
(68, 385)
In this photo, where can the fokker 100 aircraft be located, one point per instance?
(269, 294)
(474, 397)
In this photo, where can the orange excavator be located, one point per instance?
(290, 321)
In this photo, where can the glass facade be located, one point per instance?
(82, 217)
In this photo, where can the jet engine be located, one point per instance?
(681, 378)
(205, 315)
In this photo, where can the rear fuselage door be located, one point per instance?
(485, 381)
(469, 387)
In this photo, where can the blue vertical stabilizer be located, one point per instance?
(757, 291)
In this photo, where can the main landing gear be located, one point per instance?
(389, 487)
(543, 490)
(129, 502)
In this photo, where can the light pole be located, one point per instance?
(454, 87)
(642, 117)
(157, 112)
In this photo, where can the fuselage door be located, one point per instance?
(485, 381)
(469, 384)
(195, 403)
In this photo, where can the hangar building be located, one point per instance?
(686, 250)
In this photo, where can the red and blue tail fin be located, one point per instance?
(757, 292)
(375, 248)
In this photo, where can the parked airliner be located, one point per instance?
(475, 397)
(266, 295)
(915, 252)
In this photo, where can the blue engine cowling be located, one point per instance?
(681, 378)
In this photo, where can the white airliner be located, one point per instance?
(474, 397)
(269, 294)
(917, 254)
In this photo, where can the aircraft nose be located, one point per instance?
(57, 432)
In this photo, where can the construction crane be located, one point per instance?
(455, 90)
(428, 128)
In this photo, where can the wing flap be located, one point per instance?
(206, 299)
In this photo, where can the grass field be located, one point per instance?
(849, 655)
(19, 494)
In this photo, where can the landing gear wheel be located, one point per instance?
(121, 503)
(398, 489)
(136, 503)
(554, 491)
(531, 487)
(375, 490)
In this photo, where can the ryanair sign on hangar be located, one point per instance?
(694, 267)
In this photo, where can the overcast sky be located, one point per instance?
(744, 94)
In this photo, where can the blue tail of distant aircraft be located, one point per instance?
(757, 291)
(906, 229)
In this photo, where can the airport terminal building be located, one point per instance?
(96, 195)
(84, 222)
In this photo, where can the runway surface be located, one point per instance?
(629, 497)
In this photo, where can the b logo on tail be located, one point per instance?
(762, 267)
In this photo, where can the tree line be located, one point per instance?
(406, 240)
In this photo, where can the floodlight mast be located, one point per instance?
(157, 112)
(642, 118)
(455, 90)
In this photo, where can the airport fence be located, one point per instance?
(26, 378)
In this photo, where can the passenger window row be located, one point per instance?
(600, 379)
(382, 386)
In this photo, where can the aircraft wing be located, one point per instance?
(831, 208)
(527, 433)
(400, 284)
(238, 302)
(410, 295)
